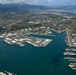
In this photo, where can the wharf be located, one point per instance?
(70, 58)
(69, 38)
(69, 53)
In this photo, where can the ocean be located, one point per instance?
(31, 60)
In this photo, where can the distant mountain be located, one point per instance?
(20, 7)
(27, 8)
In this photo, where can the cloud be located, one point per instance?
(49, 1)
(18, 1)
(40, 2)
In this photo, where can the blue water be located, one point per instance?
(30, 60)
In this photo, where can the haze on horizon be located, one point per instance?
(41, 2)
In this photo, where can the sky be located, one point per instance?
(41, 2)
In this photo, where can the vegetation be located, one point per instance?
(2, 29)
(22, 26)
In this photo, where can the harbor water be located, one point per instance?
(31, 60)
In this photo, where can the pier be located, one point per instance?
(69, 38)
